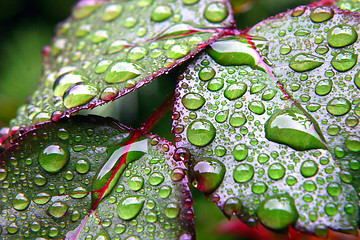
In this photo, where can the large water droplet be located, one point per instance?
(129, 207)
(137, 53)
(121, 71)
(193, 101)
(302, 62)
(338, 106)
(222, 116)
(323, 87)
(136, 183)
(276, 171)
(237, 119)
(206, 73)
(156, 178)
(57, 209)
(243, 172)
(161, 13)
(20, 202)
(321, 14)
(112, 11)
(201, 132)
(342, 35)
(277, 212)
(208, 174)
(309, 168)
(240, 152)
(79, 94)
(172, 210)
(53, 158)
(352, 142)
(235, 90)
(216, 12)
(294, 128)
(344, 61)
(178, 51)
(63, 82)
(334, 189)
(257, 107)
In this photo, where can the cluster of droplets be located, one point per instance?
(90, 64)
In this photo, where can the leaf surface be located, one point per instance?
(91, 177)
(253, 116)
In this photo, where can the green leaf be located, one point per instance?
(109, 48)
(90, 176)
(277, 127)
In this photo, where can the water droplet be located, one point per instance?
(208, 174)
(40, 180)
(201, 132)
(165, 191)
(216, 12)
(83, 30)
(79, 192)
(323, 87)
(189, 2)
(136, 183)
(3, 174)
(53, 158)
(334, 189)
(257, 87)
(109, 93)
(83, 10)
(352, 142)
(79, 94)
(121, 71)
(137, 53)
(240, 152)
(285, 49)
(156, 178)
(291, 127)
(129, 207)
(263, 158)
(64, 81)
(298, 11)
(99, 36)
(235, 90)
(236, 51)
(276, 171)
(268, 94)
(177, 51)
(338, 106)
(182, 154)
(193, 101)
(342, 36)
(232, 206)
(309, 168)
(259, 187)
(222, 116)
(344, 61)
(206, 73)
(102, 66)
(278, 212)
(237, 119)
(20, 202)
(331, 209)
(321, 49)
(243, 172)
(257, 107)
(302, 62)
(112, 11)
(82, 166)
(57, 209)
(12, 228)
(117, 46)
(42, 198)
(172, 210)
(161, 13)
(178, 31)
(63, 134)
(321, 14)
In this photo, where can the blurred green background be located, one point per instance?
(26, 26)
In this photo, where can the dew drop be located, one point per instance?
(112, 11)
(263, 158)
(57, 209)
(243, 172)
(79, 94)
(42, 198)
(222, 116)
(190, 2)
(165, 191)
(344, 61)
(20, 202)
(259, 187)
(121, 71)
(240, 152)
(291, 127)
(53, 158)
(331, 209)
(64, 81)
(342, 36)
(156, 178)
(82, 166)
(83, 10)
(216, 12)
(323, 87)
(99, 36)
(206, 73)
(161, 13)
(232, 206)
(352, 142)
(321, 14)
(268, 94)
(79, 192)
(117, 46)
(129, 207)
(309, 168)
(83, 30)
(257, 107)
(193, 101)
(3, 174)
(277, 212)
(298, 11)
(178, 51)
(302, 62)
(137, 53)
(201, 132)
(235, 90)
(237, 119)
(334, 189)
(276, 171)
(208, 174)
(285, 49)
(136, 183)
(102, 66)
(357, 80)
(338, 106)
(172, 210)
(109, 93)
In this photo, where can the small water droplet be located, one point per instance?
(278, 212)
(63, 82)
(20, 202)
(99, 36)
(172, 210)
(121, 71)
(259, 187)
(177, 174)
(117, 46)
(57, 209)
(243, 172)
(338, 106)
(79, 94)
(237, 119)
(222, 116)
(298, 11)
(206, 73)
(3, 174)
(137, 53)
(240, 152)
(352, 142)
(79, 192)
(257, 107)
(83, 30)
(193, 101)
(178, 51)
(268, 94)
(232, 206)
(342, 36)
(331, 209)
(344, 61)
(129, 207)
(136, 183)
(84, 9)
(216, 12)
(302, 62)
(276, 171)
(82, 166)
(161, 13)
(323, 87)
(321, 14)
(309, 168)
(201, 132)
(112, 11)
(156, 178)
(53, 158)
(285, 49)
(42, 198)
(102, 66)
(235, 90)
(208, 174)
(165, 191)
(334, 189)
(109, 93)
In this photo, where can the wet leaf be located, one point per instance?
(90, 176)
(107, 49)
(352, 5)
(276, 139)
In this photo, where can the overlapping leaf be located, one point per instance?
(89, 176)
(109, 48)
(267, 119)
